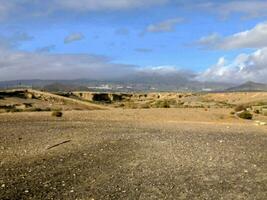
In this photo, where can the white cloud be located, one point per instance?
(210, 40)
(164, 26)
(73, 37)
(245, 67)
(253, 38)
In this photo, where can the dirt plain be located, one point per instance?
(174, 153)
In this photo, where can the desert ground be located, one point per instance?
(113, 152)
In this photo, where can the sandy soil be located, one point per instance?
(132, 154)
(237, 97)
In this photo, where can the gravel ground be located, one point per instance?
(122, 155)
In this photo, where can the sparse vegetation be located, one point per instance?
(145, 106)
(37, 109)
(131, 105)
(162, 104)
(245, 115)
(14, 110)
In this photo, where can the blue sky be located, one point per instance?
(118, 37)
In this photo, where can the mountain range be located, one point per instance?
(139, 82)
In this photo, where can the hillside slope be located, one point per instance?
(249, 86)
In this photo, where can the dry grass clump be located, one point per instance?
(145, 106)
(57, 114)
(239, 108)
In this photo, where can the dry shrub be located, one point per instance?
(256, 111)
(162, 104)
(245, 115)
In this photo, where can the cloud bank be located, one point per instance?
(253, 38)
(26, 65)
(247, 8)
(10, 9)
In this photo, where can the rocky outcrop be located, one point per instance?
(102, 97)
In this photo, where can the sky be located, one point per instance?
(224, 41)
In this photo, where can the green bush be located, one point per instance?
(57, 114)
(166, 104)
(245, 115)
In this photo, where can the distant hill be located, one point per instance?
(59, 87)
(249, 86)
(141, 82)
